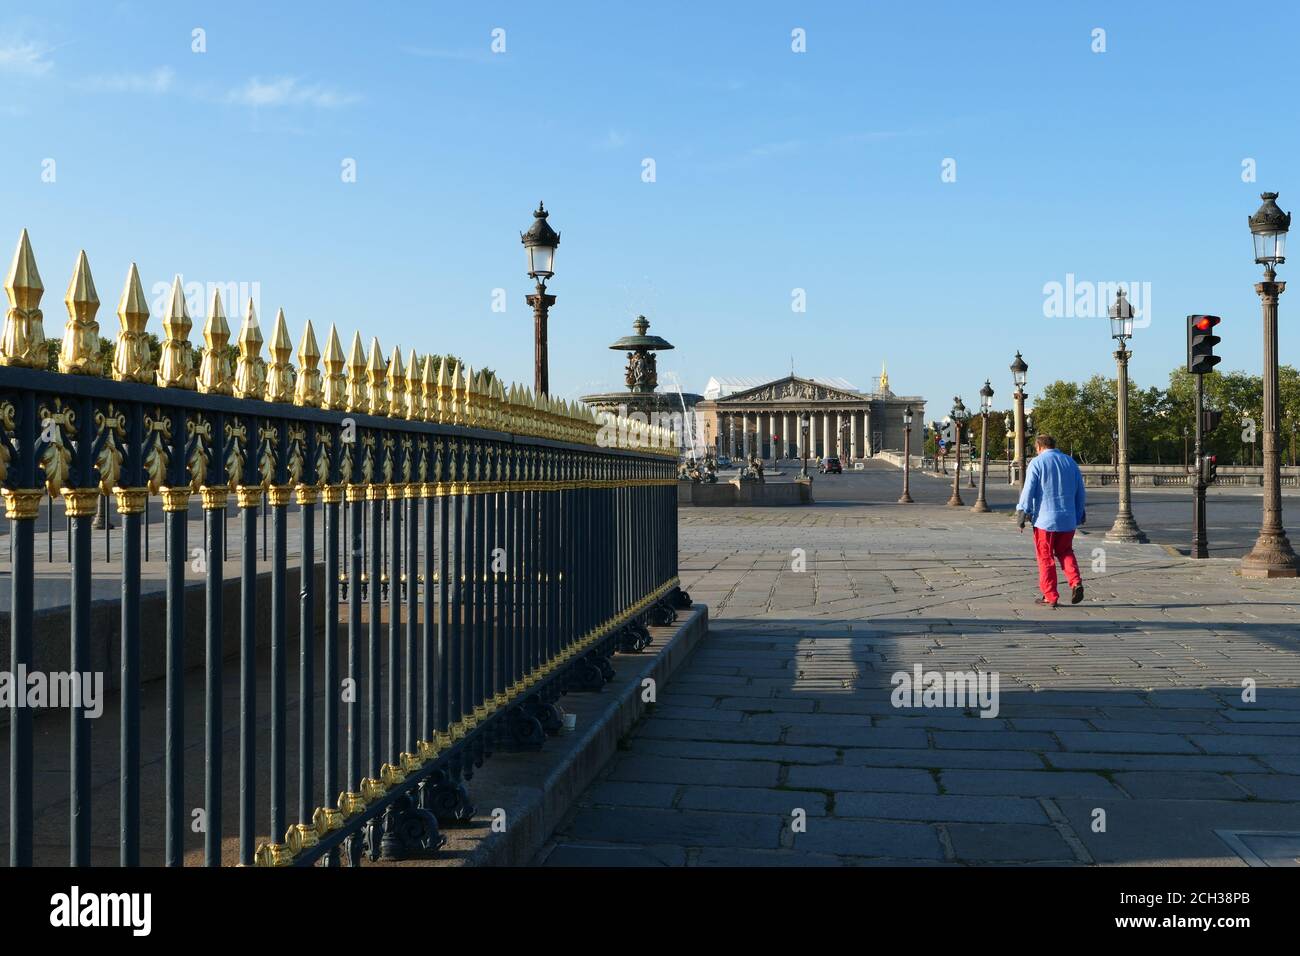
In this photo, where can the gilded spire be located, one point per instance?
(176, 366)
(279, 373)
(468, 402)
(429, 387)
(307, 390)
(250, 371)
(215, 376)
(132, 361)
(23, 340)
(377, 389)
(414, 395)
(396, 385)
(334, 392)
(443, 409)
(489, 401)
(79, 353)
(358, 396)
(455, 410)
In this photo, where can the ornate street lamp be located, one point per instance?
(959, 416)
(1019, 374)
(986, 405)
(1125, 528)
(1007, 425)
(803, 428)
(1272, 556)
(540, 242)
(906, 498)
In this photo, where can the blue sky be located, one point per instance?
(774, 171)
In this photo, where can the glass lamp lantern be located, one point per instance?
(540, 243)
(1269, 227)
(1121, 318)
(986, 397)
(1019, 371)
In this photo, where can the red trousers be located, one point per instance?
(1053, 546)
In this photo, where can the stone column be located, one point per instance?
(839, 435)
(869, 450)
(826, 434)
(853, 439)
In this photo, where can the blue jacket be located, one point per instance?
(1053, 495)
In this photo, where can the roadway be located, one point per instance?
(1164, 514)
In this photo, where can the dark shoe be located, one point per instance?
(1076, 593)
(1043, 601)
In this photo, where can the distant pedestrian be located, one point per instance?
(1053, 500)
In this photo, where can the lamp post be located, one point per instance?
(1125, 528)
(1019, 373)
(981, 505)
(1006, 431)
(1184, 448)
(959, 416)
(803, 430)
(1271, 557)
(906, 497)
(540, 242)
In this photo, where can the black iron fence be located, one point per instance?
(484, 552)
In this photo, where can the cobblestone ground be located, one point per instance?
(1121, 734)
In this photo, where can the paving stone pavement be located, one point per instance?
(1121, 735)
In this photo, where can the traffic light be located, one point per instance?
(1210, 419)
(1209, 469)
(1201, 341)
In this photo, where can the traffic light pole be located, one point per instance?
(1199, 549)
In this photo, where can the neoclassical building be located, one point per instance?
(842, 421)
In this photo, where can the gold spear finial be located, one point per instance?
(279, 372)
(334, 391)
(486, 407)
(131, 359)
(79, 354)
(498, 403)
(468, 401)
(307, 389)
(176, 365)
(215, 377)
(250, 370)
(429, 386)
(414, 394)
(396, 385)
(443, 408)
(376, 389)
(358, 397)
(455, 413)
(23, 340)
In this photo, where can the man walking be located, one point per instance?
(1053, 500)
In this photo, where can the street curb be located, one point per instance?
(536, 790)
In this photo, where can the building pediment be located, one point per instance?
(791, 389)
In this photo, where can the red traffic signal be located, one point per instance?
(1201, 341)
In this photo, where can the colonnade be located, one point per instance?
(843, 432)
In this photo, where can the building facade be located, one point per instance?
(769, 419)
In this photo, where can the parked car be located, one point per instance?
(831, 466)
(724, 461)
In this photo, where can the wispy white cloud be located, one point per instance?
(289, 91)
(613, 139)
(26, 57)
(155, 81)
